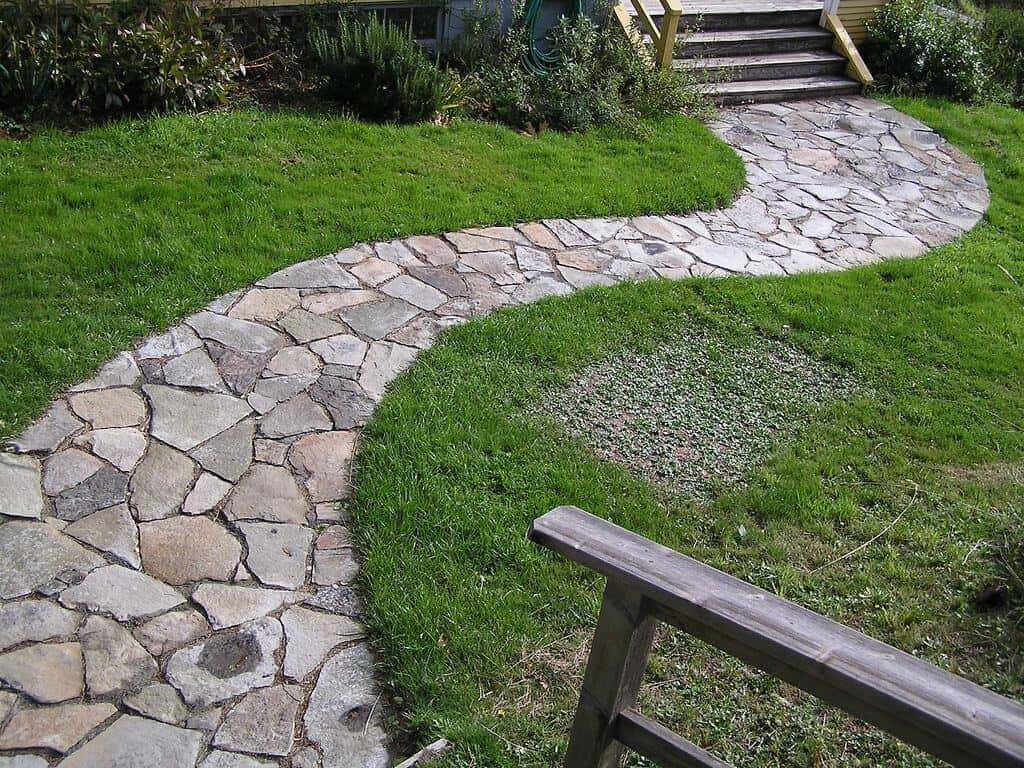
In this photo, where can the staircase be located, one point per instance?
(758, 51)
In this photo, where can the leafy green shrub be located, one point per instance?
(601, 79)
(1002, 36)
(73, 57)
(379, 71)
(913, 49)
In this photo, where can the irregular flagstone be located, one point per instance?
(294, 417)
(171, 631)
(23, 761)
(414, 291)
(229, 454)
(194, 369)
(433, 249)
(262, 722)
(136, 742)
(347, 403)
(47, 672)
(293, 360)
(207, 493)
(277, 552)
(57, 728)
(374, 271)
(121, 446)
(161, 482)
(61, 471)
(49, 432)
(305, 326)
(321, 273)
(227, 664)
(239, 335)
(118, 407)
(32, 554)
(124, 593)
(378, 319)
(311, 635)
(324, 461)
(34, 620)
(221, 759)
(186, 419)
(267, 493)
(160, 702)
(265, 304)
(343, 717)
(176, 341)
(228, 606)
(102, 489)
(19, 484)
(182, 549)
(113, 659)
(384, 362)
(239, 370)
(110, 530)
(333, 561)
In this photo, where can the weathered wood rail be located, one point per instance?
(941, 713)
(663, 38)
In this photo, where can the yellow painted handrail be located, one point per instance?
(664, 39)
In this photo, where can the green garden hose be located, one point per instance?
(538, 61)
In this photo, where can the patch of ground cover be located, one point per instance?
(699, 413)
(117, 231)
(871, 514)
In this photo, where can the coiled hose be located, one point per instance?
(538, 61)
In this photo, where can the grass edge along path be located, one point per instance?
(116, 232)
(482, 635)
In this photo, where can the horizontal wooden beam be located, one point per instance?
(656, 742)
(943, 714)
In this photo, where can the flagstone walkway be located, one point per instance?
(174, 567)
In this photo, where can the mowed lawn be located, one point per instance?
(889, 510)
(113, 233)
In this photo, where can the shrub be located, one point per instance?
(601, 79)
(58, 58)
(914, 49)
(378, 71)
(1003, 40)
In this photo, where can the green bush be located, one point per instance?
(601, 79)
(378, 71)
(1002, 35)
(73, 57)
(913, 49)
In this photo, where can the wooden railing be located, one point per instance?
(664, 38)
(843, 44)
(943, 714)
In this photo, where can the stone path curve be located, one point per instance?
(173, 563)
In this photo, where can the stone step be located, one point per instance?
(786, 89)
(748, 42)
(767, 66)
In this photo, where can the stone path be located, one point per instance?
(173, 561)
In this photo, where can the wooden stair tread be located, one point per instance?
(787, 85)
(741, 35)
(761, 59)
(711, 7)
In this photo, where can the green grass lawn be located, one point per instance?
(113, 233)
(483, 635)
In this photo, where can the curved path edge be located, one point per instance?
(174, 565)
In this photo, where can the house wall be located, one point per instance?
(854, 13)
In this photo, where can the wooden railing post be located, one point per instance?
(618, 657)
(669, 26)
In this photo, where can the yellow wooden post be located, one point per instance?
(669, 26)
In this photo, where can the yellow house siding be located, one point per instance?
(854, 13)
